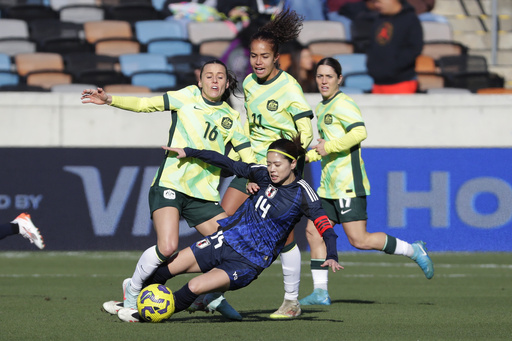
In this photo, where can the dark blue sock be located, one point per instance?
(160, 276)
(183, 298)
(8, 230)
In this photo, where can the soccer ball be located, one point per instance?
(155, 303)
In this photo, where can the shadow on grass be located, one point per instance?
(248, 316)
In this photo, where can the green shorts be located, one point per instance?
(345, 210)
(194, 211)
(239, 183)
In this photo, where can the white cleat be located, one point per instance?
(112, 307)
(128, 315)
(28, 230)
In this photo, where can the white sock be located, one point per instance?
(403, 248)
(146, 265)
(320, 279)
(290, 262)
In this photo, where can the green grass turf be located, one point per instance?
(58, 295)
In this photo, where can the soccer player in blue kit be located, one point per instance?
(251, 239)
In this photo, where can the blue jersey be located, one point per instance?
(259, 228)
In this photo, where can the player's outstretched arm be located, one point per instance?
(180, 151)
(96, 96)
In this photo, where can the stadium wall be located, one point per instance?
(439, 167)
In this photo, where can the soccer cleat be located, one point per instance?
(317, 297)
(129, 298)
(197, 305)
(288, 310)
(112, 307)
(28, 230)
(128, 315)
(421, 257)
(217, 302)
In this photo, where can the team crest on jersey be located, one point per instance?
(226, 123)
(328, 119)
(203, 243)
(169, 194)
(272, 105)
(271, 191)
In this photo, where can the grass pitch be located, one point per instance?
(58, 295)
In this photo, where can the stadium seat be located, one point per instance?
(214, 47)
(54, 35)
(29, 12)
(438, 49)
(425, 64)
(346, 22)
(317, 30)
(462, 64)
(111, 37)
(131, 63)
(351, 91)
(428, 81)
(7, 76)
(435, 31)
(80, 62)
(330, 48)
(211, 30)
(148, 30)
(150, 70)
(352, 63)
(47, 79)
(39, 61)
(133, 12)
(81, 13)
(170, 47)
(107, 29)
(358, 80)
(58, 4)
(494, 91)
(15, 38)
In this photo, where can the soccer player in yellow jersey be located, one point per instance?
(344, 184)
(201, 118)
(275, 106)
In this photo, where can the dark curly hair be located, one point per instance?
(284, 27)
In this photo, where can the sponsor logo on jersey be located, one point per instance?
(227, 123)
(197, 108)
(169, 194)
(272, 105)
(271, 191)
(328, 119)
(203, 243)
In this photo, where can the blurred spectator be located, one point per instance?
(335, 5)
(353, 9)
(237, 54)
(422, 6)
(301, 65)
(397, 41)
(362, 15)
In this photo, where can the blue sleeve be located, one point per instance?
(330, 242)
(216, 159)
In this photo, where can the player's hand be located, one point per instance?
(335, 266)
(180, 151)
(96, 96)
(252, 187)
(320, 147)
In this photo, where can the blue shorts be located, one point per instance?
(213, 252)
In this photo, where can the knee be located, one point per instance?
(195, 286)
(168, 248)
